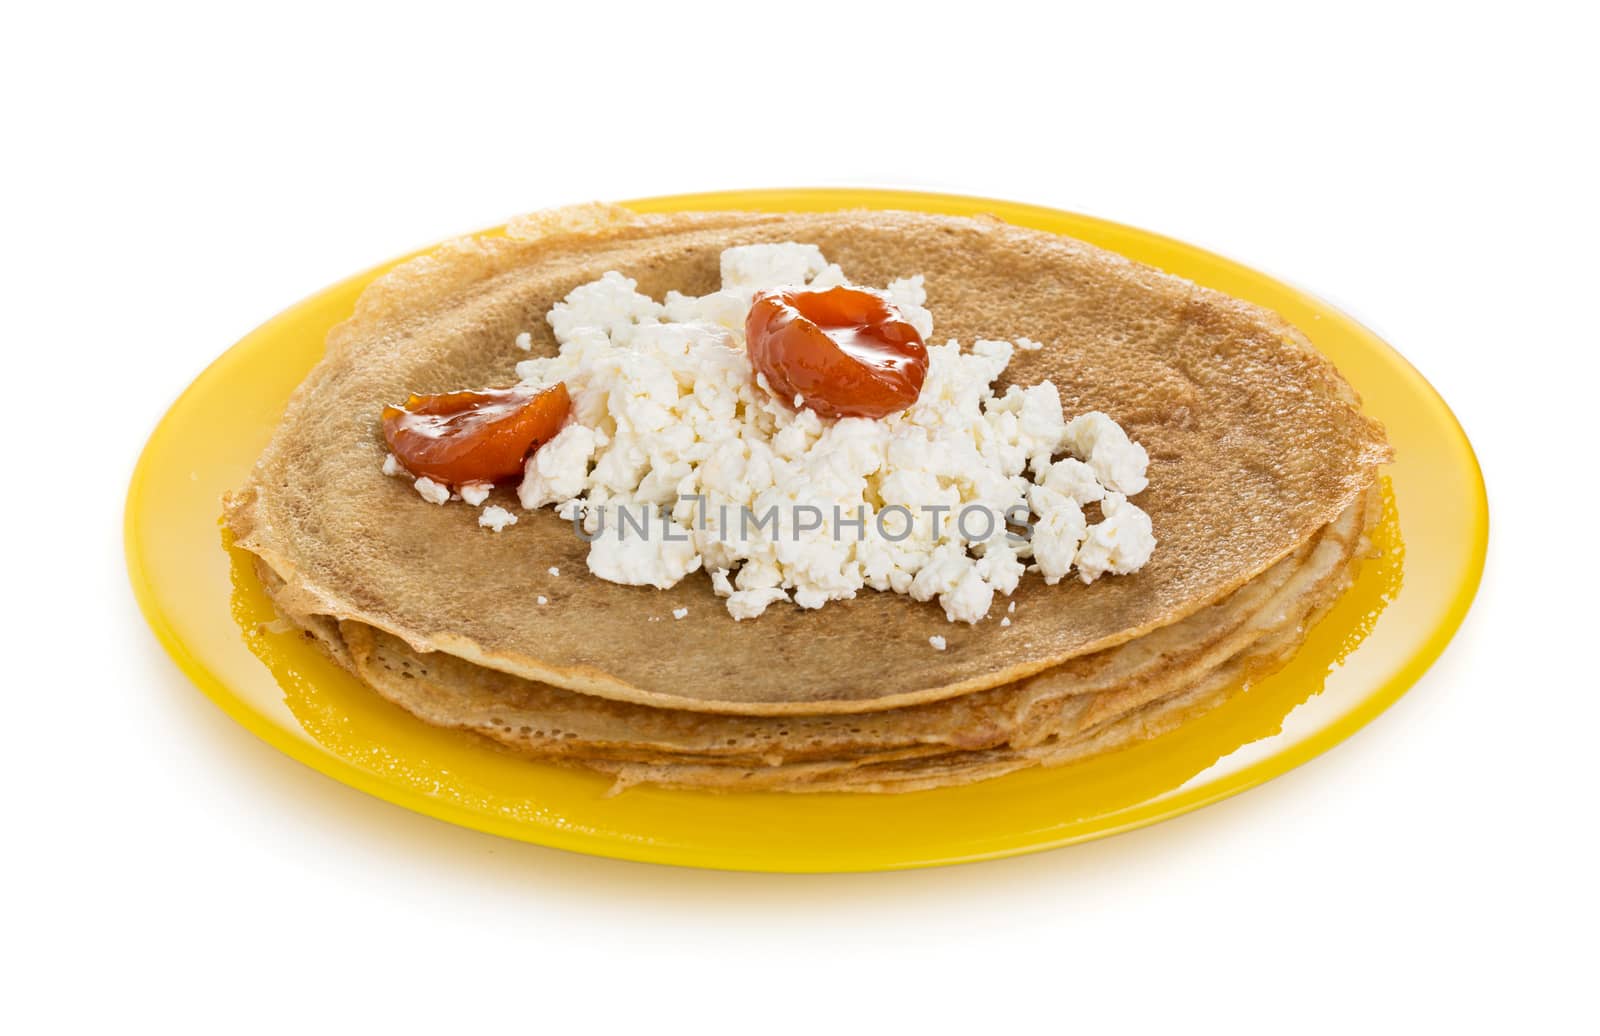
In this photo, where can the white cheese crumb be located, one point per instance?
(724, 309)
(969, 600)
(541, 599)
(747, 604)
(1055, 540)
(832, 276)
(937, 642)
(1073, 478)
(908, 296)
(496, 518)
(1118, 462)
(680, 613)
(1039, 419)
(610, 304)
(391, 465)
(661, 557)
(1028, 345)
(1122, 543)
(431, 491)
(476, 493)
(1012, 607)
(1004, 621)
(555, 571)
(558, 470)
(525, 341)
(748, 269)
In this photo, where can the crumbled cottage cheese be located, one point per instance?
(747, 604)
(677, 457)
(1120, 544)
(431, 491)
(1117, 462)
(496, 518)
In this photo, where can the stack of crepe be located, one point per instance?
(1262, 493)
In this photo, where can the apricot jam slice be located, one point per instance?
(461, 437)
(844, 351)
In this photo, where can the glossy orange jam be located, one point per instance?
(845, 352)
(461, 437)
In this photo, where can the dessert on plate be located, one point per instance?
(854, 501)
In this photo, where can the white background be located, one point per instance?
(173, 177)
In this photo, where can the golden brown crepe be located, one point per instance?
(458, 693)
(1256, 446)
(1093, 703)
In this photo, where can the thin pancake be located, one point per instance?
(1162, 716)
(1254, 439)
(548, 722)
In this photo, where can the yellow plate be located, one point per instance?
(208, 612)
